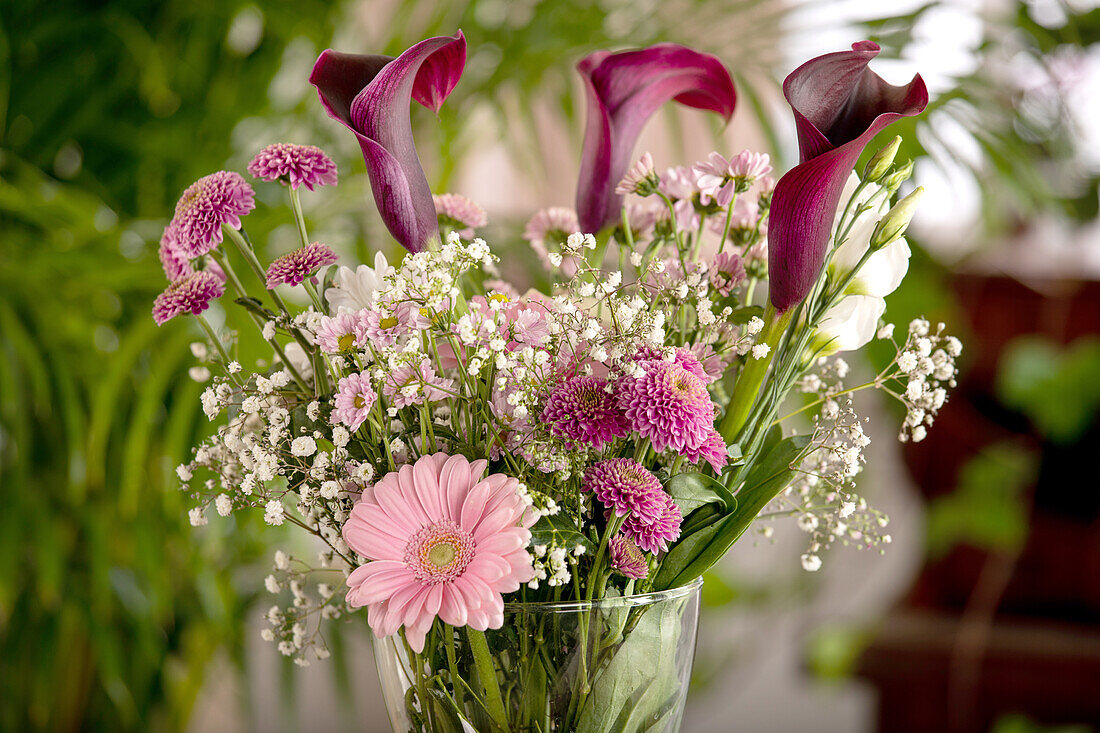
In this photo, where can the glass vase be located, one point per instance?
(616, 665)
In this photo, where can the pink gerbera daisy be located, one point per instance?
(293, 268)
(654, 536)
(581, 409)
(552, 226)
(627, 558)
(190, 294)
(354, 399)
(297, 165)
(459, 213)
(215, 200)
(441, 541)
(667, 404)
(342, 332)
(727, 272)
(624, 486)
(415, 384)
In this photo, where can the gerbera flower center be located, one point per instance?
(439, 552)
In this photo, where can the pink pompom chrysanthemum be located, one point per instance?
(442, 541)
(712, 450)
(654, 536)
(459, 213)
(342, 332)
(667, 404)
(355, 397)
(190, 294)
(582, 409)
(627, 558)
(681, 356)
(173, 259)
(293, 268)
(296, 165)
(215, 200)
(625, 487)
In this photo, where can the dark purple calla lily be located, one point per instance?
(371, 96)
(839, 106)
(624, 90)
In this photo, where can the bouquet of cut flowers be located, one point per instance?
(524, 489)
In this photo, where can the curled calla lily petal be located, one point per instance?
(839, 106)
(371, 96)
(624, 90)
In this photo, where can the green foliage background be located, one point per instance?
(110, 605)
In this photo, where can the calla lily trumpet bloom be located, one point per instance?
(370, 95)
(839, 105)
(624, 90)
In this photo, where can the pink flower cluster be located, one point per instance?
(190, 294)
(219, 199)
(297, 165)
(583, 409)
(627, 489)
(293, 268)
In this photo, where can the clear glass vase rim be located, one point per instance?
(640, 599)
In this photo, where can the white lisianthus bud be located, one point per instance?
(881, 161)
(896, 221)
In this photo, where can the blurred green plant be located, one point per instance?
(1055, 386)
(987, 507)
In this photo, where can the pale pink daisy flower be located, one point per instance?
(549, 227)
(640, 179)
(680, 185)
(355, 397)
(727, 272)
(667, 404)
(297, 165)
(749, 166)
(627, 558)
(712, 450)
(293, 268)
(625, 486)
(415, 384)
(581, 409)
(441, 541)
(215, 200)
(654, 536)
(385, 327)
(459, 213)
(342, 332)
(190, 294)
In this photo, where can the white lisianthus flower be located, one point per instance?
(849, 324)
(353, 290)
(884, 270)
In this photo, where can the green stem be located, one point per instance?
(213, 336)
(729, 219)
(752, 376)
(487, 677)
(299, 218)
(452, 665)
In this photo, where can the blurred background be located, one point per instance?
(984, 614)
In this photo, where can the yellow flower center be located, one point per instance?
(388, 322)
(442, 554)
(346, 341)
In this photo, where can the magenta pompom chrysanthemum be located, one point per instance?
(218, 199)
(293, 268)
(297, 165)
(654, 536)
(355, 397)
(173, 259)
(459, 213)
(624, 486)
(581, 409)
(442, 541)
(627, 558)
(712, 450)
(667, 404)
(190, 294)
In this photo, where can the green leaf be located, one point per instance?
(692, 490)
(560, 531)
(741, 316)
(692, 555)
